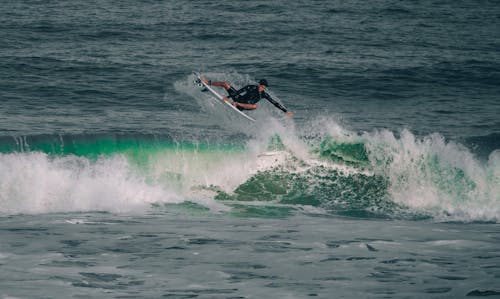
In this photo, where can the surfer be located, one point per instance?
(246, 98)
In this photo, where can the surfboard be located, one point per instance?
(219, 97)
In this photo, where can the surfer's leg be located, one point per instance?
(226, 85)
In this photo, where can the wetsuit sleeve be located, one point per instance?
(276, 104)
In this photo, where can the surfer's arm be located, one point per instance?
(277, 105)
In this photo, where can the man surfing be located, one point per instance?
(246, 98)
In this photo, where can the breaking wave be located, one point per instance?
(327, 169)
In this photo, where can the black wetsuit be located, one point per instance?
(250, 95)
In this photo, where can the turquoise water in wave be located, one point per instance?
(119, 178)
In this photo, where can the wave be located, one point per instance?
(439, 177)
(326, 169)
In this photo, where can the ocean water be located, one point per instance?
(120, 178)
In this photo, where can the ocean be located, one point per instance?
(121, 178)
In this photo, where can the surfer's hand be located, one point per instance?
(225, 99)
(289, 114)
(205, 80)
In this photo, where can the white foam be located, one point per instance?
(36, 183)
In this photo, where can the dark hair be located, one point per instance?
(263, 82)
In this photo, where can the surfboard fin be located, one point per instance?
(197, 82)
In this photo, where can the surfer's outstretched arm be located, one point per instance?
(278, 105)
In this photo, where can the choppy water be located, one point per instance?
(119, 178)
(179, 255)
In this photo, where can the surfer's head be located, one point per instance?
(263, 84)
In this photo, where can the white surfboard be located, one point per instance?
(220, 97)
